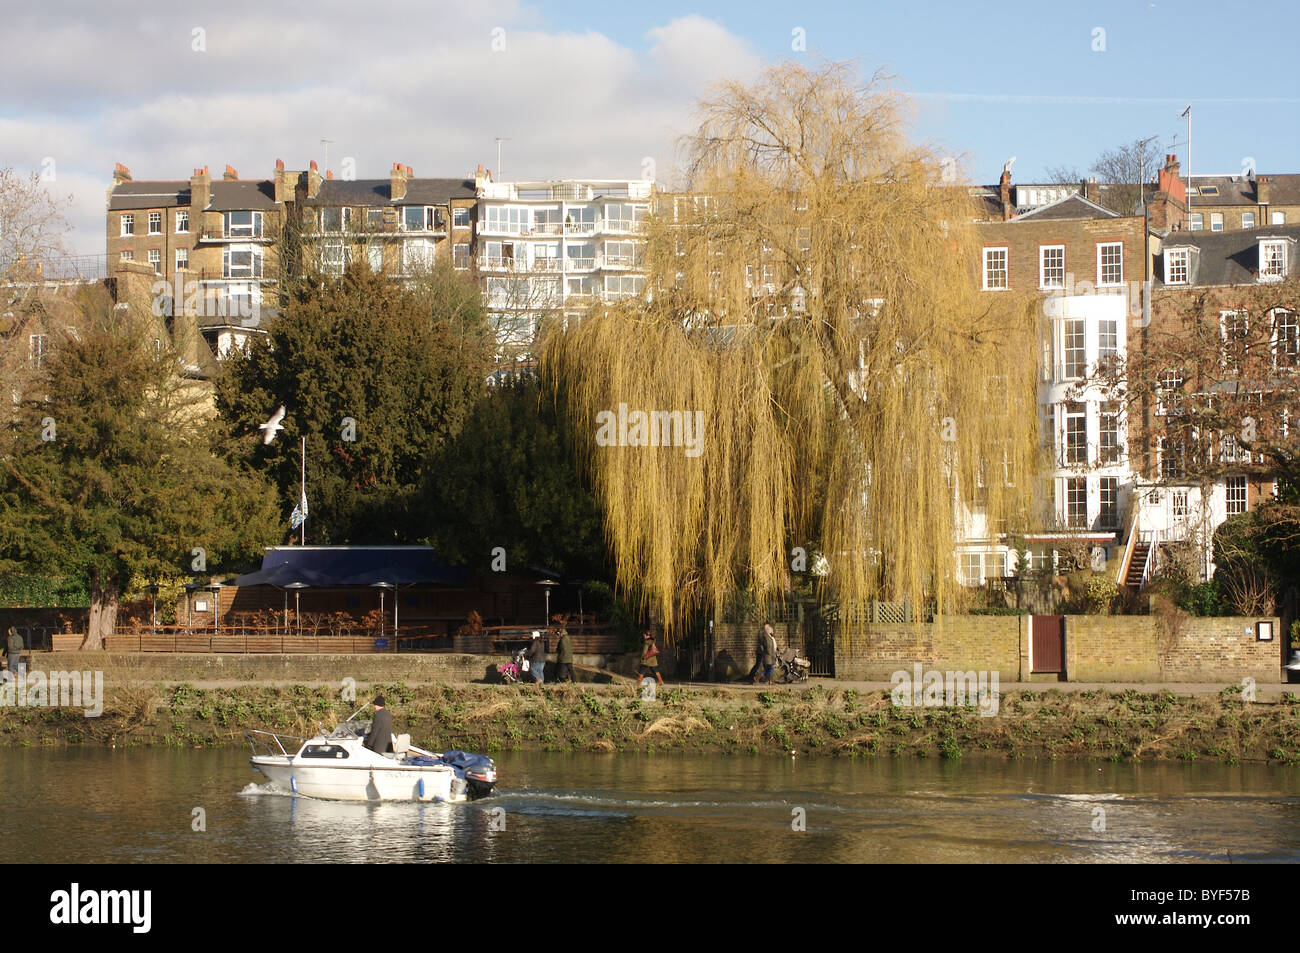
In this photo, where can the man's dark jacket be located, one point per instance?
(380, 737)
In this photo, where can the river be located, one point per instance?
(74, 805)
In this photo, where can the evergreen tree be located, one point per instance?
(508, 480)
(375, 373)
(108, 469)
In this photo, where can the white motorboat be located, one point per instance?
(338, 766)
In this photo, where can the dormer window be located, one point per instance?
(1177, 266)
(1272, 260)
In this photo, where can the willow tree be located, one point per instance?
(812, 307)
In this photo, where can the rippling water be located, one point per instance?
(126, 806)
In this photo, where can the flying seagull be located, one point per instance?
(272, 426)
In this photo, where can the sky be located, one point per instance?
(605, 89)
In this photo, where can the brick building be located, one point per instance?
(1087, 264)
(401, 224)
(211, 244)
(1237, 202)
(1223, 363)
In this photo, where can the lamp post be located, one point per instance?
(382, 586)
(189, 607)
(297, 588)
(153, 605)
(549, 584)
(215, 587)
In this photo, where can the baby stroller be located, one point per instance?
(793, 667)
(511, 670)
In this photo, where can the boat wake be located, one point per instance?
(253, 789)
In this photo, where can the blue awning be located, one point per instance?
(336, 566)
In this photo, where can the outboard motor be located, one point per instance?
(479, 771)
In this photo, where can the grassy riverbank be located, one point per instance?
(814, 721)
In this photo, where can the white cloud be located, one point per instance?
(420, 84)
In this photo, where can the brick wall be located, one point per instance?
(965, 643)
(1080, 237)
(1098, 648)
(734, 644)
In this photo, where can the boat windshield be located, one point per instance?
(354, 728)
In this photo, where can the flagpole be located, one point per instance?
(303, 525)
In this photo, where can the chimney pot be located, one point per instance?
(329, 174)
(279, 164)
(313, 165)
(230, 174)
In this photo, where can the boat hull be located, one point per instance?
(336, 782)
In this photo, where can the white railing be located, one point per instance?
(1128, 549)
(621, 226)
(500, 263)
(488, 228)
(582, 264)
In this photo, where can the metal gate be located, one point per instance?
(1047, 643)
(821, 625)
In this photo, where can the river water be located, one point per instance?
(139, 806)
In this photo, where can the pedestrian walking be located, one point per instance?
(564, 657)
(649, 659)
(14, 652)
(536, 656)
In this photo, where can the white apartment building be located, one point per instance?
(553, 248)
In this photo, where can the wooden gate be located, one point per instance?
(1047, 643)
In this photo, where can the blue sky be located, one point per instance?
(597, 89)
(1035, 79)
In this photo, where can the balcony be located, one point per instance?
(623, 261)
(580, 229)
(581, 264)
(503, 228)
(220, 275)
(438, 230)
(241, 233)
(500, 263)
(623, 226)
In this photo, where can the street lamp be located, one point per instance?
(189, 606)
(382, 586)
(549, 584)
(297, 588)
(216, 605)
(153, 605)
